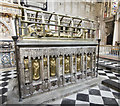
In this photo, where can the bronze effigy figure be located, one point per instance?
(52, 67)
(26, 64)
(78, 63)
(45, 62)
(67, 64)
(88, 62)
(36, 69)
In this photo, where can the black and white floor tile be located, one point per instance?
(108, 74)
(5, 76)
(113, 64)
(99, 95)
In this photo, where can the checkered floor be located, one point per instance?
(95, 96)
(5, 76)
(108, 74)
(98, 95)
(113, 64)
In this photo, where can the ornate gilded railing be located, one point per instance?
(42, 24)
(110, 50)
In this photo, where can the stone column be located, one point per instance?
(30, 73)
(71, 68)
(92, 64)
(75, 71)
(83, 34)
(58, 69)
(63, 69)
(30, 69)
(22, 71)
(71, 64)
(58, 65)
(85, 65)
(76, 63)
(42, 68)
(90, 34)
(48, 66)
(48, 63)
(87, 35)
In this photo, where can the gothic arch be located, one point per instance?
(7, 26)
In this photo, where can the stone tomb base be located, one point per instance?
(41, 98)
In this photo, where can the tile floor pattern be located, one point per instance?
(5, 76)
(99, 95)
(113, 64)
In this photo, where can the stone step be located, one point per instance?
(112, 84)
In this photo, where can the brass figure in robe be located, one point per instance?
(67, 64)
(78, 63)
(45, 62)
(88, 62)
(36, 67)
(26, 64)
(52, 67)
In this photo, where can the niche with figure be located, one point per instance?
(67, 64)
(79, 63)
(52, 66)
(89, 61)
(26, 70)
(36, 69)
